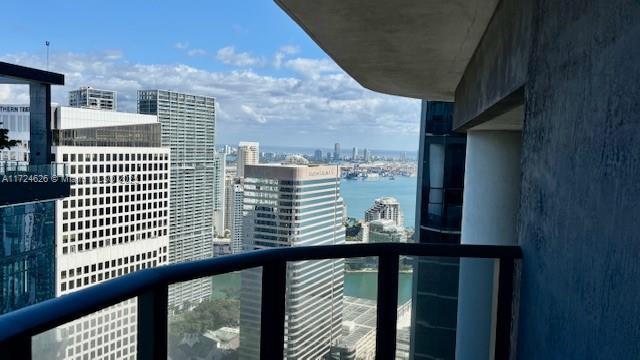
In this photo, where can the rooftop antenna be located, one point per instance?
(46, 43)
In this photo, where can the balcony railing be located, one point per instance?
(26, 169)
(21, 182)
(150, 286)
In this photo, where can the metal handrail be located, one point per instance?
(151, 287)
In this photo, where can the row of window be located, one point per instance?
(113, 157)
(93, 243)
(89, 275)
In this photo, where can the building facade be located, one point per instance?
(337, 152)
(385, 208)
(219, 196)
(385, 231)
(438, 220)
(188, 130)
(27, 209)
(295, 205)
(90, 98)
(115, 222)
(248, 154)
(15, 118)
(234, 203)
(27, 254)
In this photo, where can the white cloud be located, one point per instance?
(229, 56)
(282, 53)
(312, 68)
(181, 45)
(196, 52)
(252, 113)
(319, 102)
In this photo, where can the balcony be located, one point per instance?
(23, 183)
(151, 287)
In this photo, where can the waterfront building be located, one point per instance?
(248, 154)
(188, 129)
(354, 154)
(116, 220)
(337, 155)
(219, 173)
(366, 155)
(15, 118)
(385, 231)
(295, 205)
(90, 98)
(295, 159)
(385, 208)
(317, 155)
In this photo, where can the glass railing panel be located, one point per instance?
(405, 297)
(223, 324)
(330, 309)
(110, 333)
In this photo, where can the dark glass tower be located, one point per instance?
(27, 256)
(438, 220)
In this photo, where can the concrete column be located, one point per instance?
(489, 213)
(40, 122)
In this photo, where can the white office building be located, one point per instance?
(15, 118)
(90, 98)
(385, 208)
(188, 129)
(116, 220)
(295, 205)
(248, 154)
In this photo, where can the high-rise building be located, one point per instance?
(366, 155)
(354, 154)
(15, 118)
(27, 209)
(220, 160)
(188, 129)
(385, 208)
(234, 199)
(337, 155)
(385, 231)
(295, 205)
(438, 221)
(317, 155)
(116, 220)
(248, 154)
(88, 97)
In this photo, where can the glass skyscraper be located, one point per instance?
(188, 129)
(438, 220)
(27, 254)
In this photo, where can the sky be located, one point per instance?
(271, 82)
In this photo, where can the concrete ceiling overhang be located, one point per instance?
(413, 48)
(17, 74)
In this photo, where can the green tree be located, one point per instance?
(5, 143)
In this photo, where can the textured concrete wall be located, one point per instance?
(580, 186)
(580, 195)
(499, 65)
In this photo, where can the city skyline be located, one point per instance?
(268, 87)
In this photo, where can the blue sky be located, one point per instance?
(272, 83)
